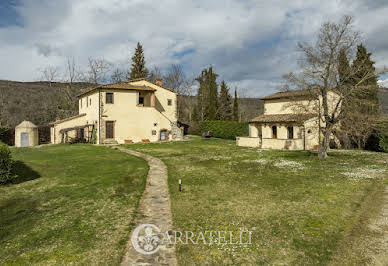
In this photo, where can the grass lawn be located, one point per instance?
(78, 206)
(301, 209)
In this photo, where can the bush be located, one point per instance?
(7, 135)
(6, 164)
(383, 142)
(378, 141)
(225, 129)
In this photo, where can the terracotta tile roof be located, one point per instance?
(119, 86)
(67, 119)
(283, 118)
(287, 94)
(140, 79)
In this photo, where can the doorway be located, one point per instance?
(109, 129)
(163, 135)
(24, 139)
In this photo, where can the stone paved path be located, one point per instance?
(154, 209)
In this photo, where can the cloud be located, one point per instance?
(251, 44)
(383, 83)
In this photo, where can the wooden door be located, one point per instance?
(109, 129)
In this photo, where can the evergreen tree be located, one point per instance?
(213, 95)
(344, 70)
(207, 96)
(363, 104)
(138, 69)
(202, 96)
(235, 106)
(363, 65)
(225, 103)
(195, 116)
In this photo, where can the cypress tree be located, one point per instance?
(344, 70)
(195, 116)
(363, 103)
(213, 94)
(225, 103)
(363, 65)
(138, 69)
(202, 96)
(235, 106)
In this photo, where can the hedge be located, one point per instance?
(6, 164)
(225, 129)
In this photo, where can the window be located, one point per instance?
(141, 100)
(155, 124)
(109, 97)
(80, 100)
(153, 132)
(109, 129)
(90, 102)
(87, 100)
(169, 102)
(290, 132)
(274, 132)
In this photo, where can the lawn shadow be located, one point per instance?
(23, 172)
(17, 217)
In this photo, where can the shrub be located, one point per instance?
(7, 135)
(225, 129)
(6, 164)
(378, 141)
(383, 142)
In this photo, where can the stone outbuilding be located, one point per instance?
(26, 134)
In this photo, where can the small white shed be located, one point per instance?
(26, 134)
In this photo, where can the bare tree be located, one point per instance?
(97, 70)
(73, 72)
(177, 80)
(50, 73)
(319, 75)
(154, 74)
(118, 75)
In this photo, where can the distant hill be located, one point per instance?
(38, 102)
(384, 101)
(43, 102)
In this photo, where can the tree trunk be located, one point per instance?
(359, 146)
(322, 153)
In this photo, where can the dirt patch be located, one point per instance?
(366, 243)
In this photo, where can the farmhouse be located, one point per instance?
(126, 112)
(290, 122)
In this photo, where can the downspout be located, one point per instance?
(319, 122)
(99, 116)
(304, 138)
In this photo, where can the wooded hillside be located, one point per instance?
(38, 102)
(43, 102)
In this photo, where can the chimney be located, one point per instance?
(159, 81)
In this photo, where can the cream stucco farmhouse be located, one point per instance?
(290, 122)
(126, 112)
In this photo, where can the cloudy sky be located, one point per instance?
(251, 44)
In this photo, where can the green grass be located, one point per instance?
(299, 208)
(78, 206)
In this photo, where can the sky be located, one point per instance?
(250, 44)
